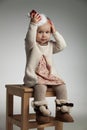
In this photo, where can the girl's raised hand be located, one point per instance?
(35, 17)
(52, 27)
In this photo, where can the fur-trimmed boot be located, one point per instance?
(63, 111)
(42, 111)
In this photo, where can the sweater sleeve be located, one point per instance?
(30, 39)
(59, 44)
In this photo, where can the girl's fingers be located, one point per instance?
(38, 19)
(51, 23)
(32, 15)
(37, 15)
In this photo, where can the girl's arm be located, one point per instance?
(59, 44)
(31, 34)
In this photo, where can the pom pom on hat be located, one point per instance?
(43, 18)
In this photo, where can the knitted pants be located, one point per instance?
(40, 92)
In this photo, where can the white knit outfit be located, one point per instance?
(34, 52)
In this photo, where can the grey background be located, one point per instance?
(70, 19)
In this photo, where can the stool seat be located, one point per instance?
(25, 120)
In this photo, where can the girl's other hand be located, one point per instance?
(53, 30)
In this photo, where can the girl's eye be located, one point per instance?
(40, 32)
(47, 32)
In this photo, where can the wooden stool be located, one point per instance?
(25, 120)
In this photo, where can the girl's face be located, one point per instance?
(43, 33)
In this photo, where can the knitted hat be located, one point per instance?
(43, 18)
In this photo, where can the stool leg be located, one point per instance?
(59, 126)
(9, 111)
(25, 111)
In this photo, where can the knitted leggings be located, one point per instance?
(40, 92)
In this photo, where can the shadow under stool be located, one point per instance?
(25, 120)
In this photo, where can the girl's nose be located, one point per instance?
(44, 34)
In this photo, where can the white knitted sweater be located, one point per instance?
(34, 51)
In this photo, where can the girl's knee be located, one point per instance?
(40, 87)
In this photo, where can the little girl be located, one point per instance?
(39, 71)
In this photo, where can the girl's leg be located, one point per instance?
(40, 104)
(61, 92)
(40, 92)
(62, 105)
